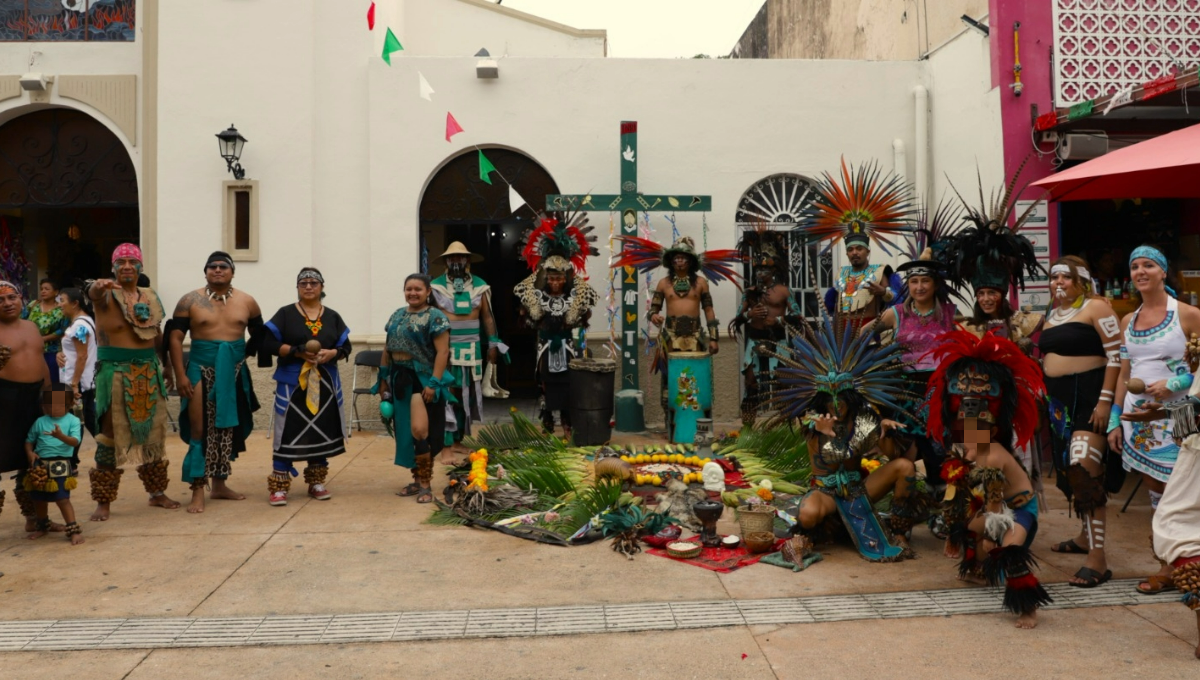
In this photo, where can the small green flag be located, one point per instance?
(1081, 110)
(390, 44)
(485, 167)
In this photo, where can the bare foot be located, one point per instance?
(197, 504)
(31, 525)
(223, 492)
(164, 502)
(952, 551)
(33, 536)
(1027, 620)
(77, 539)
(101, 513)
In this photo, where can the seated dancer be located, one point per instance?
(414, 380)
(50, 446)
(685, 294)
(863, 208)
(1176, 522)
(1153, 353)
(768, 308)
(1080, 348)
(919, 322)
(557, 300)
(985, 392)
(23, 374)
(131, 384)
(216, 397)
(309, 424)
(836, 388)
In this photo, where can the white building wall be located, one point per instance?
(457, 28)
(706, 127)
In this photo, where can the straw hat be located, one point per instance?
(457, 248)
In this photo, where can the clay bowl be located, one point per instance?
(759, 542)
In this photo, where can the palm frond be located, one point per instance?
(522, 434)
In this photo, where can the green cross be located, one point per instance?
(629, 411)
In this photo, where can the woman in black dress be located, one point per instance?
(306, 336)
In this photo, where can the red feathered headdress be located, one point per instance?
(566, 237)
(992, 369)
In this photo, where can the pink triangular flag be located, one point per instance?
(371, 18)
(452, 126)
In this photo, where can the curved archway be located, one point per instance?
(779, 202)
(457, 205)
(68, 193)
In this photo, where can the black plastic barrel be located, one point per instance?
(591, 400)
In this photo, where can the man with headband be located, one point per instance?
(862, 289)
(1152, 354)
(217, 400)
(467, 301)
(131, 384)
(23, 373)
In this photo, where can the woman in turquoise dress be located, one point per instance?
(414, 384)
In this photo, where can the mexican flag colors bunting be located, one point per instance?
(391, 43)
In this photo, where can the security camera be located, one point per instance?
(34, 82)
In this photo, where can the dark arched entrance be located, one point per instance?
(68, 194)
(459, 206)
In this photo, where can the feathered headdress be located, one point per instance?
(764, 247)
(865, 206)
(988, 252)
(646, 255)
(927, 245)
(833, 363)
(991, 370)
(560, 235)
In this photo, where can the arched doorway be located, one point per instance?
(459, 206)
(68, 195)
(779, 201)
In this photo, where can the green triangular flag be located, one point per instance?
(390, 44)
(485, 167)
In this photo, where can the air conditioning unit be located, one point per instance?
(1083, 146)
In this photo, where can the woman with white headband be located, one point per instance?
(1080, 345)
(1154, 368)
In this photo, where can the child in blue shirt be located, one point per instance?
(50, 447)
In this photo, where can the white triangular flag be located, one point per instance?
(426, 89)
(514, 199)
(1119, 99)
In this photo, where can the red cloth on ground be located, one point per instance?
(722, 560)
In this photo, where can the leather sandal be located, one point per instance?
(411, 490)
(1069, 547)
(1158, 584)
(426, 496)
(1091, 578)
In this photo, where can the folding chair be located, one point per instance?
(368, 358)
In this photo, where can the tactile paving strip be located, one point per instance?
(159, 633)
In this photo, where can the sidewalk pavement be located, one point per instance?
(367, 550)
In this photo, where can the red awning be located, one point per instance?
(1167, 166)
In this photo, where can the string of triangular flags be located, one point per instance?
(391, 45)
(1168, 82)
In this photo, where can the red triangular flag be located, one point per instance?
(452, 126)
(371, 18)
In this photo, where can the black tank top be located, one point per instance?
(1073, 339)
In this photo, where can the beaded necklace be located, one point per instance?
(314, 324)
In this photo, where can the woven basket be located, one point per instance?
(679, 551)
(756, 518)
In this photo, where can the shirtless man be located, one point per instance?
(214, 384)
(686, 293)
(862, 290)
(131, 384)
(767, 308)
(23, 374)
(466, 300)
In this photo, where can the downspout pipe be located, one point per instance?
(921, 110)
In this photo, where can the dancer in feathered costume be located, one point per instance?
(685, 293)
(984, 395)
(865, 206)
(767, 310)
(919, 321)
(836, 385)
(557, 300)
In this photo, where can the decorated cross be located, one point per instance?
(630, 417)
